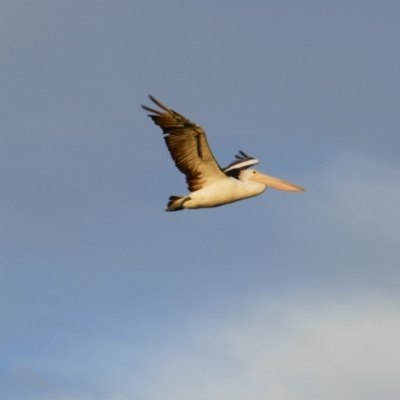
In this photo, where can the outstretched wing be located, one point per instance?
(188, 146)
(242, 161)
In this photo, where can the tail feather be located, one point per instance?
(175, 203)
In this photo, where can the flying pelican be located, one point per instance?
(208, 183)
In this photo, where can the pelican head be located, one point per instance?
(251, 175)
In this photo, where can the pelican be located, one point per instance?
(208, 183)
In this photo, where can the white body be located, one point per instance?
(222, 192)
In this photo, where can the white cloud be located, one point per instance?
(303, 348)
(295, 350)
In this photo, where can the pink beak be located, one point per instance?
(276, 183)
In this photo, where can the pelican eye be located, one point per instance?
(254, 172)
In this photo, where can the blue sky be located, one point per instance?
(284, 296)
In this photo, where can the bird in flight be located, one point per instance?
(208, 183)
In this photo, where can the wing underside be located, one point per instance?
(188, 146)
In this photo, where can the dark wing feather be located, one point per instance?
(188, 146)
(243, 161)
